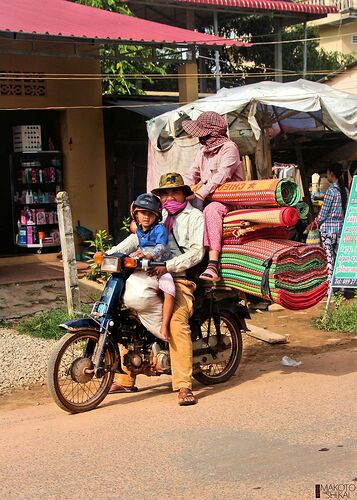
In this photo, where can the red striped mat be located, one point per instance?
(283, 216)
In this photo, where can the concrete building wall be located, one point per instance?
(336, 31)
(84, 169)
(81, 126)
(338, 38)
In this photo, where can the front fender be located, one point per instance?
(76, 325)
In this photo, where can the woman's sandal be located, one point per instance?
(186, 398)
(209, 275)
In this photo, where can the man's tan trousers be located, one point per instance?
(180, 340)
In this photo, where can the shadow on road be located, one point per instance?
(322, 361)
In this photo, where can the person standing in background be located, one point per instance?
(332, 214)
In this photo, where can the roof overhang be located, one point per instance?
(65, 20)
(174, 12)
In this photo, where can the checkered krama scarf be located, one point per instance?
(209, 124)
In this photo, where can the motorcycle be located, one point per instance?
(82, 365)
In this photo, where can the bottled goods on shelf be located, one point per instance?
(30, 196)
(36, 175)
(39, 216)
(31, 235)
(37, 179)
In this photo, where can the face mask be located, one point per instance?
(203, 140)
(173, 206)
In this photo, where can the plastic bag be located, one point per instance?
(286, 361)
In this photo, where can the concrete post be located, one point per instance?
(304, 69)
(188, 82)
(278, 51)
(68, 252)
(216, 53)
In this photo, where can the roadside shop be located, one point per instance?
(51, 112)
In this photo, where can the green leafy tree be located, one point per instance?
(132, 70)
(257, 61)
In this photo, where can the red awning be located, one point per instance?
(264, 5)
(61, 18)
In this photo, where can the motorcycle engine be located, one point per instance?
(160, 358)
(133, 361)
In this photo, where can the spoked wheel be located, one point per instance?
(70, 375)
(216, 373)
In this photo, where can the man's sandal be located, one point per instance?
(186, 398)
(121, 389)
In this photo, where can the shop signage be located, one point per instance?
(345, 270)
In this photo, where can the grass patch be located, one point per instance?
(342, 317)
(45, 324)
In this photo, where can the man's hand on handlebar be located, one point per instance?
(142, 255)
(157, 271)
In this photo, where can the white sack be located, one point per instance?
(142, 295)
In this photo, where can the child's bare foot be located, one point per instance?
(165, 332)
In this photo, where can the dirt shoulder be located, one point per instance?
(304, 342)
(25, 298)
(303, 338)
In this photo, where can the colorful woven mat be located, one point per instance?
(264, 192)
(283, 216)
(302, 209)
(239, 237)
(290, 273)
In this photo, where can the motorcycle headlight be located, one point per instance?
(111, 264)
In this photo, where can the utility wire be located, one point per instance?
(8, 77)
(147, 105)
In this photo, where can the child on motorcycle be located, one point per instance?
(153, 245)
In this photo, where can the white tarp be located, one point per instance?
(337, 110)
(300, 105)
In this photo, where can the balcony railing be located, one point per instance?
(342, 5)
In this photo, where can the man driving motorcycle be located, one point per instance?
(185, 227)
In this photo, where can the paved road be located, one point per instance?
(260, 436)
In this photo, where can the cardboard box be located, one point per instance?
(30, 240)
(27, 138)
(40, 216)
(21, 240)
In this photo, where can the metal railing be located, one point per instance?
(342, 5)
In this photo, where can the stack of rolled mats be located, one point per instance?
(257, 257)
(287, 272)
(241, 226)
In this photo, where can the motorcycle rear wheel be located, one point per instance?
(221, 372)
(67, 363)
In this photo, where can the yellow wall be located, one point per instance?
(336, 33)
(85, 171)
(188, 82)
(84, 162)
(60, 92)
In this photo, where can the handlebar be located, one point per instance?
(135, 263)
(146, 264)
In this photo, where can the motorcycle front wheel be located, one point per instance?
(216, 373)
(70, 375)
